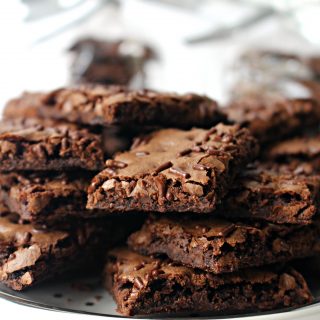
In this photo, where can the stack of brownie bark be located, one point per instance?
(45, 229)
(220, 228)
(50, 149)
(223, 218)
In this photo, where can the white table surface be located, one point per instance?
(181, 68)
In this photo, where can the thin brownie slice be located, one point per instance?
(46, 197)
(275, 193)
(220, 246)
(272, 120)
(117, 105)
(143, 285)
(173, 170)
(29, 255)
(33, 144)
(301, 149)
(114, 138)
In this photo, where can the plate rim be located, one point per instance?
(29, 303)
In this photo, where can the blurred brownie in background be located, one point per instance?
(266, 74)
(109, 62)
(272, 119)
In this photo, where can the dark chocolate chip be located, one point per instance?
(197, 149)
(184, 152)
(200, 167)
(163, 167)
(115, 164)
(180, 172)
(138, 283)
(142, 153)
(227, 230)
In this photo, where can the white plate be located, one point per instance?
(79, 294)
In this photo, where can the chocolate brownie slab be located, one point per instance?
(173, 170)
(275, 193)
(46, 197)
(272, 120)
(220, 246)
(117, 105)
(301, 149)
(114, 138)
(26, 106)
(143, 285)
(29, 255)
(33, 144)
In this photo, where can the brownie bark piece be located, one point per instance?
(108, 62)
(46, 197)
(29, 255)
(279, 194)
(272, 120)
(297, 149)
(144, 285)
(221, 246)
(117, 105)
(173, 170)
(34, 144)
(26, 106)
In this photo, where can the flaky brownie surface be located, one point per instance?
(219, 246)
(46, 197)
(271, 120)
(173, 170)
(144, 285)
(117, 105)
(34, 144)
(275, 193)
